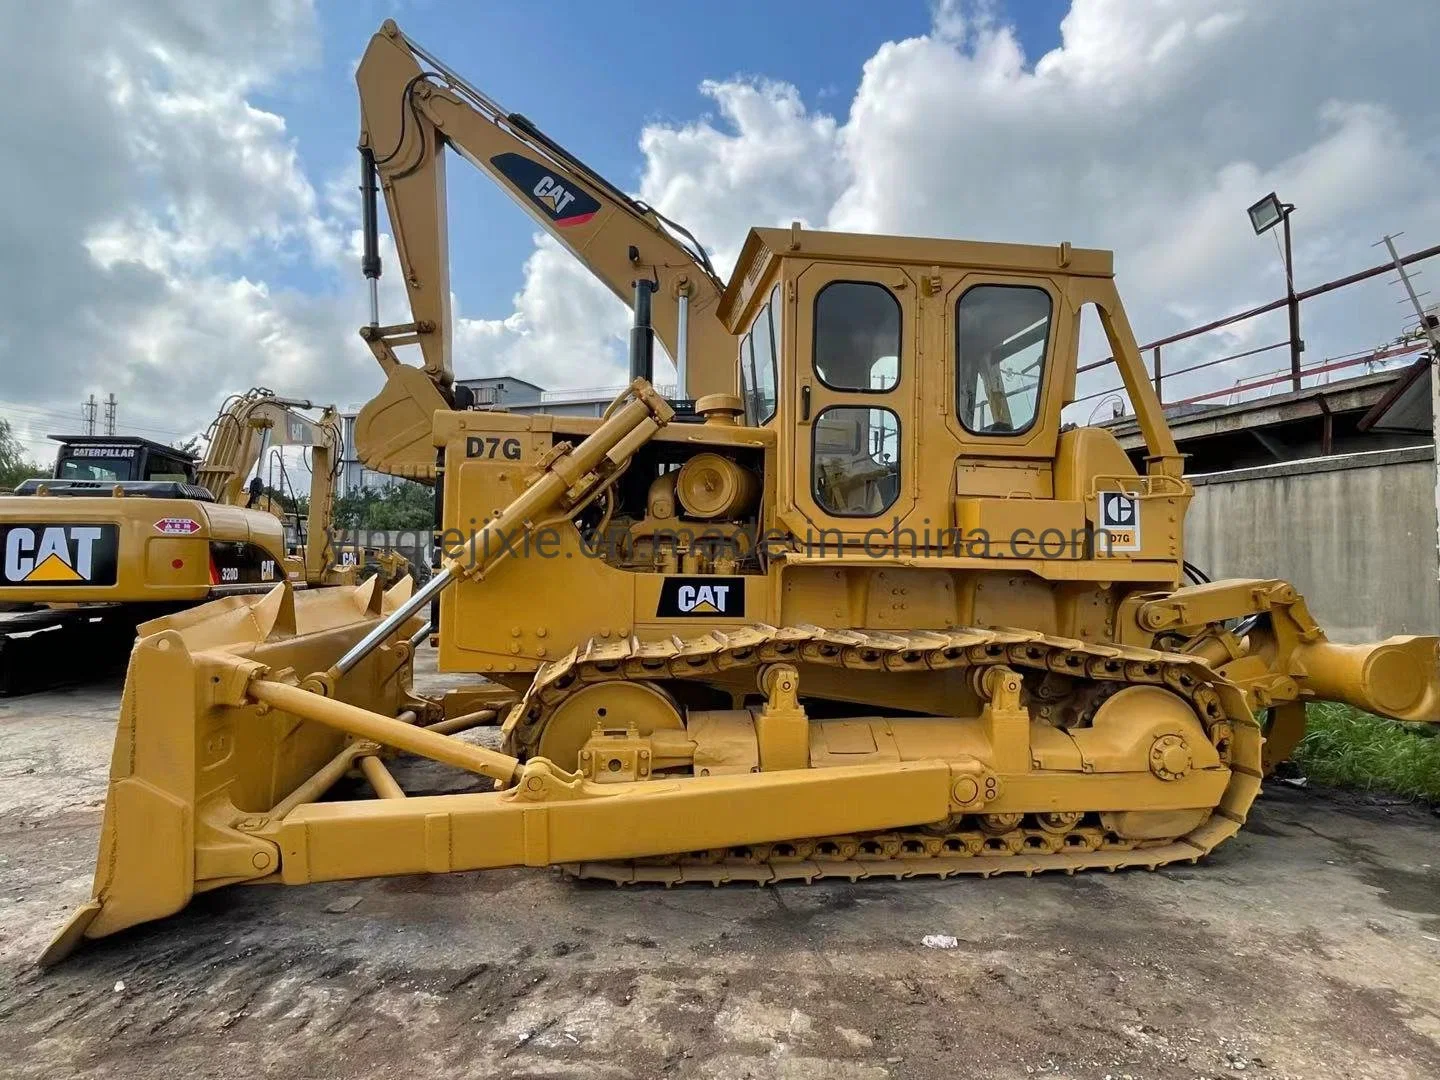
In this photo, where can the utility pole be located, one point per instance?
(87, 410)
(110, 415)
(1264, 216)
(1292, 302)
(1433, 335)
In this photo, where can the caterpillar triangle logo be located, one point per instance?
(706, 596)
(53, 569)
(40, 554)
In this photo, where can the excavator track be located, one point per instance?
(979, 844)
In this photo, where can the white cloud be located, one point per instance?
(566, 330)
(152, 189)
(769, 160)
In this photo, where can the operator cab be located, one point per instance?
(918, 384)
(97, 464)
(108, 459)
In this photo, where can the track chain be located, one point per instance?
(1030, 847)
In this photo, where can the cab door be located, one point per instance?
(855, 397)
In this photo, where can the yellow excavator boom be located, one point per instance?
(412, 107)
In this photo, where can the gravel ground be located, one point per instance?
(1308, 947)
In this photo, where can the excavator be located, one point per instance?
(127, 529)
(864, 608)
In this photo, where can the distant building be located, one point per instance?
(503, 391)
(516, 395)
(1380, 410)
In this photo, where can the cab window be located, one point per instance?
(106, 469)
(856, 464)
(857, 336)
(747, 378)
(759, 361)
(1001, 334)
(165, 468)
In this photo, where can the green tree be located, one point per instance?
(403, 505)
(15, 465)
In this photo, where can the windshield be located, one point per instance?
(95, 469)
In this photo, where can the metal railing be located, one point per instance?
(1153, 350)
(605, 394)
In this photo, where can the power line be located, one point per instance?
(59, 416)
(61, 419)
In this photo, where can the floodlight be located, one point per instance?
(1266, 214)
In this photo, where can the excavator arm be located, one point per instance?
(412, 106)
(246, 426)
(250, 424)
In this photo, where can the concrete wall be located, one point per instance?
(1355, 533)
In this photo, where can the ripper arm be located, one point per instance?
(1260, 635)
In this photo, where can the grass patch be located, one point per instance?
(1344, 747)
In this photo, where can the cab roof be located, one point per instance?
(123, 440)
(763, 246)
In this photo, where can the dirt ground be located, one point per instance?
(1308, 947)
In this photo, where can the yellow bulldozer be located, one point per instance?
(862, 608)
(127, 529)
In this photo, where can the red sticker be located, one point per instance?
(177, 526)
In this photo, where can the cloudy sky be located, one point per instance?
(178, 220)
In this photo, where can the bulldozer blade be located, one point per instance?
(196, 767)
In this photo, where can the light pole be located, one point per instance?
(1264, 216)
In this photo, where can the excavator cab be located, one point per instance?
(91, 464)
(109, 458)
